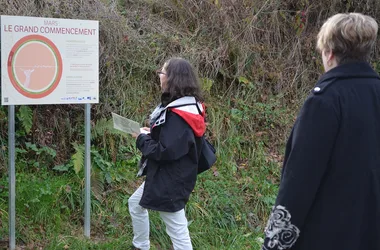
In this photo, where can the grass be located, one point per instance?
(227, 209)
(49, 213)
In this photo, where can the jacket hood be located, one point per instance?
(192, 112)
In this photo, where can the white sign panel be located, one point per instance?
(49, 61)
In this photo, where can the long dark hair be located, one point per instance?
(182, 81)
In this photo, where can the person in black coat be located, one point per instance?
(329, 196)
(170, 152)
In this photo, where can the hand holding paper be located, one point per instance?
(144, 130)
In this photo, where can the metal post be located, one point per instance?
(12, 177)
(87, 171)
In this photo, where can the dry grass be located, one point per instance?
(267, 43)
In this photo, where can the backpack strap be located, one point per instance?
(188, 104)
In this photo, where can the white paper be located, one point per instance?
(125, 125)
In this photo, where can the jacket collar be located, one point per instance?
(185, 105)
(183, 101)
(350, 70)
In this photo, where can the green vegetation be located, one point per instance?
(256, 62)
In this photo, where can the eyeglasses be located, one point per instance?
(160, 72)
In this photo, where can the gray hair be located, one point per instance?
(351, 37)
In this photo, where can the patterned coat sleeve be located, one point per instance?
(307, 157)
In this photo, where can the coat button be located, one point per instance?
(317, 89)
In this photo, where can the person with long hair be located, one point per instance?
(170, 154)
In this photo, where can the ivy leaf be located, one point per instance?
(206, 84)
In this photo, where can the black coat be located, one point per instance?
(172, 150)
(329, 197)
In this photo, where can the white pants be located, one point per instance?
(176, 224)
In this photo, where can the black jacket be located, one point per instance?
(172, 150)
(329, 197)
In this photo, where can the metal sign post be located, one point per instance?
(87, 171)
(12, 176)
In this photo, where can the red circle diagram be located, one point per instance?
(35, 66)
